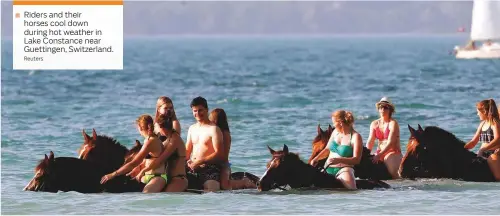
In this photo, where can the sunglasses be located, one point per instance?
(384, 107)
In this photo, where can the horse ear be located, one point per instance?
(51, 156)
(285, 149)
(94, 134)
(86, 137)
(330, 128)
(420, 128)
(137, 143)
(319, 130)
(271, 150)
(46, 160)
(412, 131)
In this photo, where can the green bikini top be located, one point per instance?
(342, 150)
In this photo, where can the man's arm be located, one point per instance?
(189, 144)
(218, 145)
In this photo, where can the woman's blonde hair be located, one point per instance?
(162, 101)
(346, 117)
(489, 109)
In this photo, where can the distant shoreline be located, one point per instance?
(271, 36)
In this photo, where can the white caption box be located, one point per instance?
(95, 37)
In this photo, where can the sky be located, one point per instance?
(149, 18)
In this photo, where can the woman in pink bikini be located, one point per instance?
(386, 131)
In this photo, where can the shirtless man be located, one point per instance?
(204, 147)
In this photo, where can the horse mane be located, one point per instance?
(443, 136)
(108, 141)
(41, 165)
(134, 150)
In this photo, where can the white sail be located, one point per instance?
(485, 20)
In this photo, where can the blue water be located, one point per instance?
(275, 91)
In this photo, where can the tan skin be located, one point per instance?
(173, 144)
(392, 152)
(343, 136)
(226, 184)
(204, 144)
(493, 159)
(151, 145)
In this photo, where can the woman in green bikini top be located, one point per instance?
(343, 157)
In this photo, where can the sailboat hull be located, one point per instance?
(478, 54)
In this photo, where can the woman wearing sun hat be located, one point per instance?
(386, 131)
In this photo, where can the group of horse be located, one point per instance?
(431, 153)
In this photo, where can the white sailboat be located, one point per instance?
(485, 27)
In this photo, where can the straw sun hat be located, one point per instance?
(386, 101)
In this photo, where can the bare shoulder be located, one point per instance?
(394, 123)
(215, 129)
(357, 135)
(177, 139)
(374, 123)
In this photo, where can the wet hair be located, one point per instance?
(165, 122)
(218, 116)
(199, 101)
(162, 101)
(489, 109)
(346, 117)
(145, 123)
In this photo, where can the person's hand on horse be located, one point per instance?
(376, 158)
(107, 177)
(136, 172)
(480, 153)
(332, 161)
(314, 162)
(139, 176)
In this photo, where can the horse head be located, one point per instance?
(282, 164)
(422, 154)
(319, 143)
(45, 176)
(103, 150)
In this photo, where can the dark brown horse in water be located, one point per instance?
(286, 168)
(366, 169)
(437, 153)
(53, 174)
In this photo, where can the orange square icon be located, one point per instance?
(18, 15)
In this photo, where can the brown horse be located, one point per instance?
(286, 168)
(437, 153)
(53, 174)
(366, 169)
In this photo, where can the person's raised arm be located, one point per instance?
(473, 142)
(371, 138)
